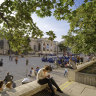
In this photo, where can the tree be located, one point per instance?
(62, 47)
(15, 17)
(51, 35)
(82, 33)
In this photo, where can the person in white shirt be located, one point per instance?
(43, 78)
(32, 72)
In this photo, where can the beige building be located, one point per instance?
(44, 46)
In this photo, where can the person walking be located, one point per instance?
(43, 78)
(1, 62)
(16, 59)
(27, 62)
(1, 65)
(65, 72)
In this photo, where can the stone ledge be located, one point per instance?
(26, 89)
(84, 65)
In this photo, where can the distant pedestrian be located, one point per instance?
(16, 59)
(27, 61)
(36, 70)
(9, 57)
(1, 62)
(1, 65)
(65, 72)
(50, 67)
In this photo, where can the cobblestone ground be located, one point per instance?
(19, 70)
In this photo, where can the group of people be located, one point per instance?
(33, 72)
(7, 83)
(16, 59)
(11, 58)
(43, 77)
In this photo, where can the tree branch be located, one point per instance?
(2, 16)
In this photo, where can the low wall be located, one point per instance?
(75, 75)
(84, 78)
(28, 89)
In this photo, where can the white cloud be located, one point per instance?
(50, 23)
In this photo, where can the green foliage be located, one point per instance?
(15, 15)
(51, 35)
(62, 47)
(16, 18)
(82, 33)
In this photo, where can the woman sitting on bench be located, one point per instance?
(44, 78)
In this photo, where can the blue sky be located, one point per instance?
(50, 23)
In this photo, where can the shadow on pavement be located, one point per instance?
(46, 93)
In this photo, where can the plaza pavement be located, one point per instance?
(19, 70)
(70, 88)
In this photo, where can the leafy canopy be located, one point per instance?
(17, 22)
(82, 33)
(51, 35)
(62, 47)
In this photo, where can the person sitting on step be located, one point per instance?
(43, 78)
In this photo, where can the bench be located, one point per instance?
(28, 89)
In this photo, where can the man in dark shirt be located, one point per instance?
(8, 78)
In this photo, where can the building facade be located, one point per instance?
(44, 46)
